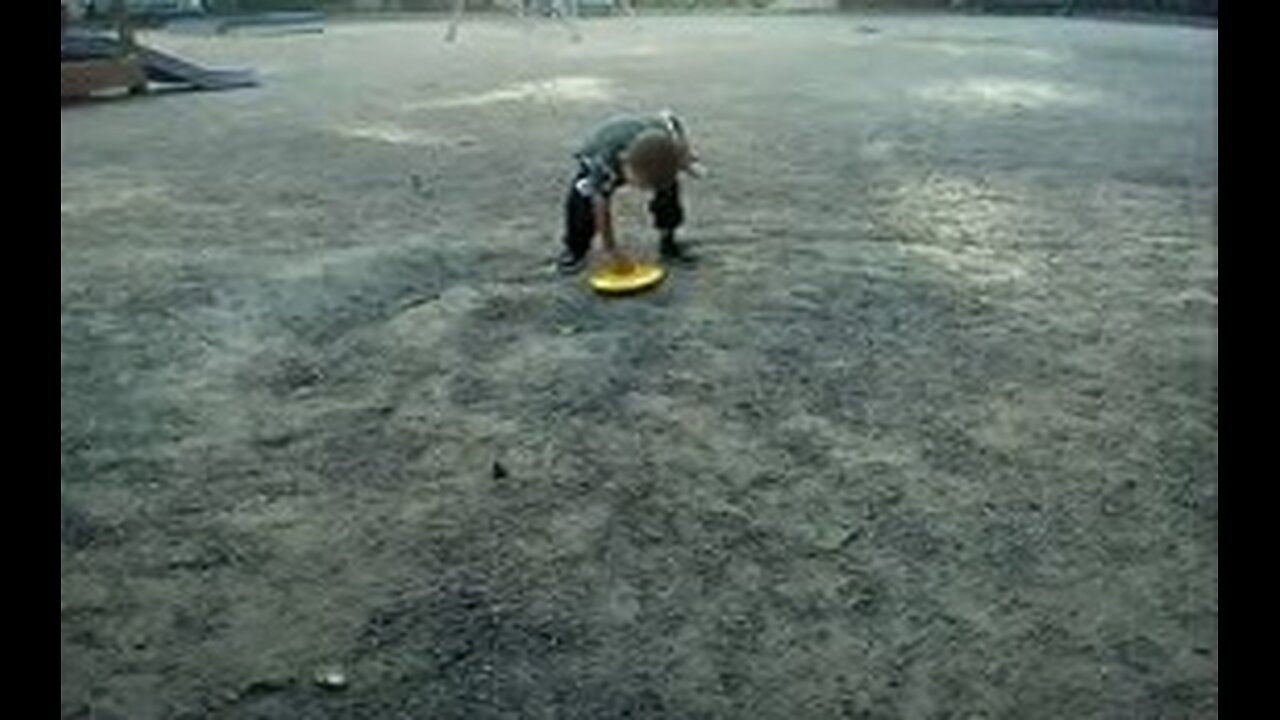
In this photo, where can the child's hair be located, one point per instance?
(656, 156)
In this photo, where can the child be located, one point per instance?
(646, 152)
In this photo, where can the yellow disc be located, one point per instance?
(628, 278)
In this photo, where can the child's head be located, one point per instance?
(652, 160)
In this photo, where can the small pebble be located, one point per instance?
(331, 678)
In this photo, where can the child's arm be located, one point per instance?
(604, 223)
(689, 161)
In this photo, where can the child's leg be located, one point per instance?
(666, 210)
(667, 216)
(579, 223)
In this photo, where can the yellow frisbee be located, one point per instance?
(624, 278)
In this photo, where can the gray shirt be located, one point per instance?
(601, 155)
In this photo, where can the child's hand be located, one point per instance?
(689, 160)
(618, 261)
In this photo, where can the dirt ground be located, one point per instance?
(930, 432)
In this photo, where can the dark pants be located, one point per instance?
(580, 220)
